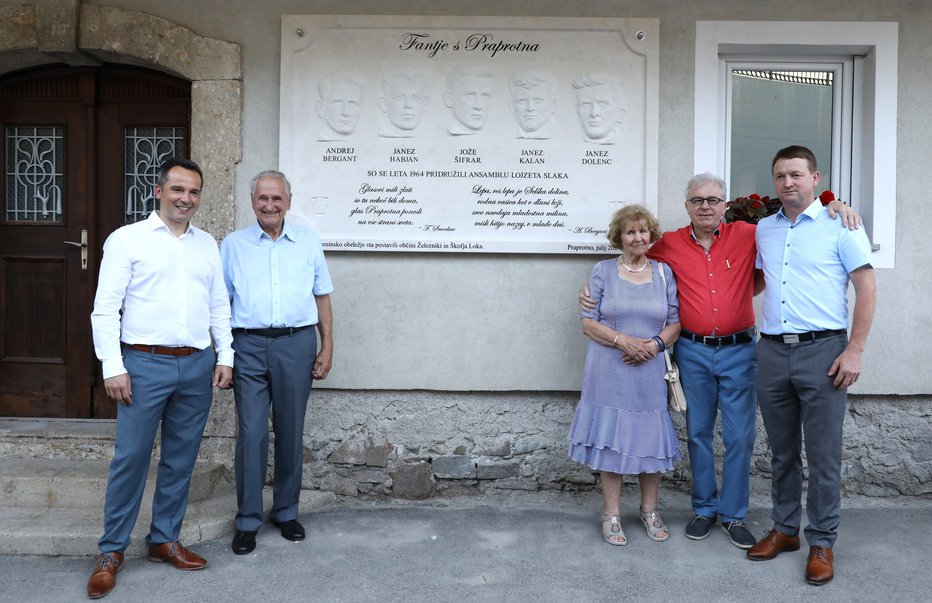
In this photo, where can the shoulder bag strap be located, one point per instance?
(663, 277)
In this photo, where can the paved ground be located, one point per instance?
(510, 547)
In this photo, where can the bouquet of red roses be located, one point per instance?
(751, 208)
(754, 207)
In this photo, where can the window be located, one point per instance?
(829, 86)
(771, 105)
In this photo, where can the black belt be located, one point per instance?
(789, 338)
(272, 332)
(746, 336)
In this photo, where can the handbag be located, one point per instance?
(676, 399)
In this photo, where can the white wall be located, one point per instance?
(506, 322)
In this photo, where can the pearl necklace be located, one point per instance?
(621, 260)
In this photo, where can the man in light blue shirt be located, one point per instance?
(806, 360)
(279, 288)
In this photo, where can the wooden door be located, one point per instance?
(79, 154)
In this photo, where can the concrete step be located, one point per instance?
(53, 479)
(81, 484)
(75, 531)
(57, 438)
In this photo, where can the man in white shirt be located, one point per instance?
(280, 288)
(165, 276)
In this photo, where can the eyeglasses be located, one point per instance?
(698, 201)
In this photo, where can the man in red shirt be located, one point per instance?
(716, 280)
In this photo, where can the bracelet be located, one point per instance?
(661, 345)
(615, 341)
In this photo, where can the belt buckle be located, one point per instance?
(790, 338)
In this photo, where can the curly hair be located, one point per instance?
(627, 215)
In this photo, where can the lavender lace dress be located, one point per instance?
(622, 424)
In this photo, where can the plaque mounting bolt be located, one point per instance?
(640, 36)
(299, 32)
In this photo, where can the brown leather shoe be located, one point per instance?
(103, 578)
(177, 555)
(819, 567)
(771, 545)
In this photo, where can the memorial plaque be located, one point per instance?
(464, 134)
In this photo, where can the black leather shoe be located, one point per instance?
(244, 542)
(291, 529)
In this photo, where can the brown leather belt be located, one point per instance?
(161, 349)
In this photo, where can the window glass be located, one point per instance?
(774, 109)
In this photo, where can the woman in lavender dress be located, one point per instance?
(622, 425)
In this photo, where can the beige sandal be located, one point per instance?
(654, 526)
(612, 531)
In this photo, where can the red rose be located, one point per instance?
(826, 197)
(757, 204)
(754, 196)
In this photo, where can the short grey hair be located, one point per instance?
(268, 174)
(706, 178)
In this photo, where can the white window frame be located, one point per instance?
(872, 177)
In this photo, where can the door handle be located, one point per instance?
(83, 246)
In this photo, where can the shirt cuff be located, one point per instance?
(112, 367)
(225, 357)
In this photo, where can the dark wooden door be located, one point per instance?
(79, 155)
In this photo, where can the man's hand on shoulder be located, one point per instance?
(586, 303)
(849, 217)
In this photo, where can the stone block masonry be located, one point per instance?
(411, 444)
(416, 444)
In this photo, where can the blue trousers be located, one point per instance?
(270, 374)
(797, 399)
(176, 392)
(719, 379)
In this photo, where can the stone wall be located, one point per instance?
(418, 444)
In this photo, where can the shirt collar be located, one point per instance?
(288, 231)
(812, 212)
(155, 222)
(715, 234)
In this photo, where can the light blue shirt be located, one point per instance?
(806, 266)
(273, 283)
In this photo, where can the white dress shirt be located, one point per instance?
(170, 289)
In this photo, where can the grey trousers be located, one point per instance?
(270, 374)
(798, 402)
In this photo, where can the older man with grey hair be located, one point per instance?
(279, 288)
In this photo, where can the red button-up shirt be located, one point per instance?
(716, 289)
